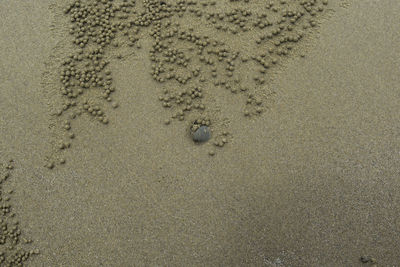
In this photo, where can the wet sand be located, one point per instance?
(313, 181)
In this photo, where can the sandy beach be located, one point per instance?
(303, 164)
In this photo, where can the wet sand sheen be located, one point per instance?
(311, 181)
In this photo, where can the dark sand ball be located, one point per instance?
(202, 134)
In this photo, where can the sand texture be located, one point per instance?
(98, 166)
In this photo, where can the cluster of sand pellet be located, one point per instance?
(14, 249)
(197, 48)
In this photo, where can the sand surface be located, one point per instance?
(313, 181)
